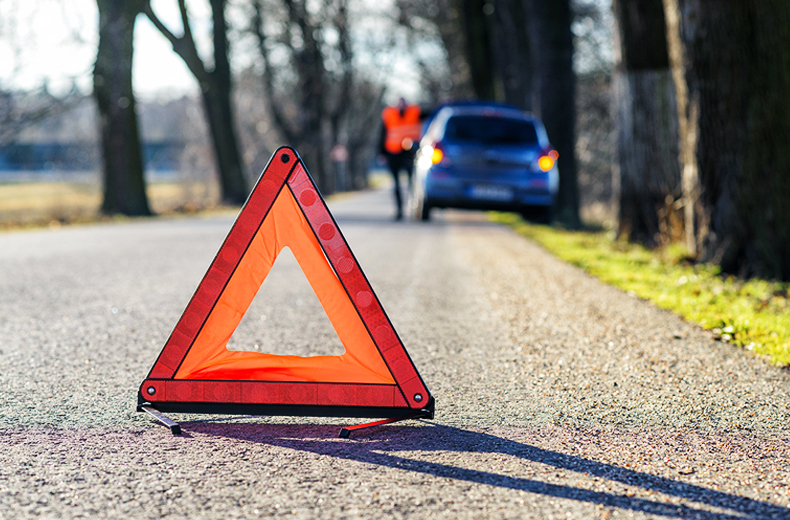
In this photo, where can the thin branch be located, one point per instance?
(182, 7)
(268, 81)
(184, 45)
(149, 12)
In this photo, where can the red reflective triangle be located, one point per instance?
(195, 372)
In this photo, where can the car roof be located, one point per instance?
(437, 124)
(512, 113)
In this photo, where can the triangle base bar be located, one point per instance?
(392, 414)
(366, 412)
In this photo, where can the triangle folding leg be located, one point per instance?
(196, 373)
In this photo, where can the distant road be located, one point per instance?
(557, 396)
(87, 176)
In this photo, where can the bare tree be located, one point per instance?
(22, 109)
(479, 46)
(688, 112)
(438, 22)
(308, 99)
(556, 90)
(490, 57)
(738, 73)
(593, 33)
(647, 128)
(513, 51)
(215, 86)
(124, 182)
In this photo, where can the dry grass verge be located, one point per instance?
(35, 204)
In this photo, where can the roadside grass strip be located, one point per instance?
(754, 314)
(37, 204)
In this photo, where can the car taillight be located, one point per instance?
(547, 160)
(438, 155)
(431, 155)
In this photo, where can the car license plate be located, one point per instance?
(489, 192)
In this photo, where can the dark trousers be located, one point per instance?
(396, 163)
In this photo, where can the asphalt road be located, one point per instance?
(557, 396)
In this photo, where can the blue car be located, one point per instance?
(485, 157)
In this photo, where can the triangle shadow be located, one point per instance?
(380, 448)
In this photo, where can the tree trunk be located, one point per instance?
(551, 21)
(688, 111)
(307, 125)
(122, 160)
(513, 56)
(216, 86)
(219, 109)
(739, 70)
(233, 185)
(478, 48)
(647, 134)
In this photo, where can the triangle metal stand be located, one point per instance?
(175, 428)
(156, 414)
(345, 432)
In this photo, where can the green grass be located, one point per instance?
(753, 314)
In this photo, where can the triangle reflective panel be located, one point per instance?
(196, 373)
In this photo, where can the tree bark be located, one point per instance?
(309, 104)
(688, 112)
(513, 51)
(478, 48)
(219, 107)
(551, 22)
(739, 70)
(647, 133)
(122, 160)
(216, 86)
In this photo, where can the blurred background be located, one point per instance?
(309, 74)
(669, 116)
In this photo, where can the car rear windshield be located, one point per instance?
(490, 130)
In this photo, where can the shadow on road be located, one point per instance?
(378, 220)
(380, 448)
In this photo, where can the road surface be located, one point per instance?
(557, 396)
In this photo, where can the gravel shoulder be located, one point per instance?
(557, 396)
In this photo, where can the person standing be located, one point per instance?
(398, 144)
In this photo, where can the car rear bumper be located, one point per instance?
(519, 201)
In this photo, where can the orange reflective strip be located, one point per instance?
(209, 358)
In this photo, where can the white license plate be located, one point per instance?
(488, 192)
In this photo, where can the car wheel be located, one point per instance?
(539, 214)
(545, 215)
(421, 210)
(425, 211)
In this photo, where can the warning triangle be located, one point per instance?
(196, 372)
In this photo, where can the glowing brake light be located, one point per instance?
(546, 162)
(437, 155)
(432, 155)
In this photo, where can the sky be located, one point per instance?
(54, 42)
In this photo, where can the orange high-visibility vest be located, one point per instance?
(402, 132)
